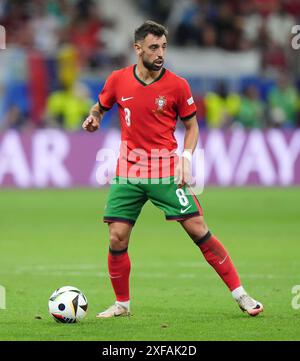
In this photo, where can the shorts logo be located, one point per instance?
(161, 102)
(185, 209)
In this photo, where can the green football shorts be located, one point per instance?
(126, 200)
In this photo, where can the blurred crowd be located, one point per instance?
(47, 25)
(62, 39)
(279, 107)
(233, 25)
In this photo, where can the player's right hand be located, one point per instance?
(183, 172)
(91, 123)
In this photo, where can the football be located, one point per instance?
(68, 305)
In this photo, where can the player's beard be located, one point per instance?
(152, 66)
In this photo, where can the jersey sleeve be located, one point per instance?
(107, 96)
(185, 103)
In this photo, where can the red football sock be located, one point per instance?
(217, 256)
(119, 270)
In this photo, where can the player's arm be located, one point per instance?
(92, 122)
(191, 136)
(106, 100)
(183, 169)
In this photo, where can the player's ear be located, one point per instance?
(137, 48)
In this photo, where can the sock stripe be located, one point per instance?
(117, 252)
(203, 239)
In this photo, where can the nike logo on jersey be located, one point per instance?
(124, 99)
(184, 210)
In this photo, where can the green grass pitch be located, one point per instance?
(52, 238)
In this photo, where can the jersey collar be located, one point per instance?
(142, 82)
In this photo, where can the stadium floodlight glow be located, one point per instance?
(2, 37)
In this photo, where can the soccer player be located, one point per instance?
(150, 98)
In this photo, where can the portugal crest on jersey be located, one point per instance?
(161, 102)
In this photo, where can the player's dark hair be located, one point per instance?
(149, 27)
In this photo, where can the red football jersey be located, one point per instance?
(148, 115)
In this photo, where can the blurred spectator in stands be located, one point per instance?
(277, 54)
(85, 30)
(221, 107)
(251, 110)
(206, 23)
(15, 107)
(188, 23)
(292, 7)
(265, 7)
(14, 87)
(3, 9)
(252, 23)
(274, 60)
(14, 119)
(45, 28)
(279, 25)
(200, 104)
(228, 27)
(175, 16)
(158, 10)
(282, 100)
(209, 36)
(298, 112)
(67, 65)
(16, 23)
(66, 108)
(62, 10)
(1, 107)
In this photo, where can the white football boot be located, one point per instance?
(249, 305)
(115, 310)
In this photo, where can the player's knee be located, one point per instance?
(118, 241)
(119, 236)
(199, 232)
(196, 227)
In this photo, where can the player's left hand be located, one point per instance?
(183, 171)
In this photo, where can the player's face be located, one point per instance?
(152, 51)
